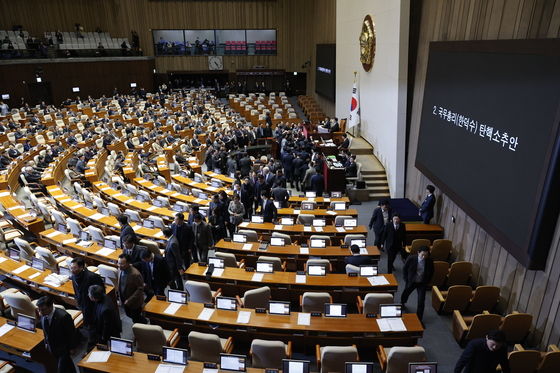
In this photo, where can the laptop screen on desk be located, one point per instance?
(175, 355)
(287, 221)
(38, 264)
(226, 303)
(339, 206)
(278, 308)
(316, 270)
(120, 346)
(25, 322)
(217, 262)
(335, 310)
(64, 271)
(231, 362)
(336, 194)
(14, 254)
(177, 296)
(350, 223)
(265, 267)
(110, 243)
(84, 236)
(390, 310)
(277, 241)
(149, 223)
(202, 195)
(422, 367)
(295, 366)
(257, 219)
(240, 238)
(307, 206)
(310, 194)
(319, 222)
(61, 228)
(360, 242)
(359, 367)
(318, 243)
(368, 270)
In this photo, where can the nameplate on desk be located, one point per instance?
(130, 200)
(353, 274)
(105, 188)
(331, 212)
(151, 208)
(159, 234)
(15, 208)
(206, 314)
(340, 229)
(116, 194)
(69, 241)
(197, 200)
(64, 200)
(307, 229)
(304, 250)
(76, 206)
(4, 194)
(318, 229)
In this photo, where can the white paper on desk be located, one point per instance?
(206, 314)
(24, 216)
(326, 199)
(318, 229)
(172, 308)
(170, 368)
(151, 208)
(391, 324)
(218, 272)
(331, 212)
(4, 194)
(363, 251)
(209, 370)
(297, 212)
(5, 328)
(304, 250)
(277, 227)
(15, 208)
(247, 246)
(19, 270)
(53, 234)
(197, 200)
(152, 187)
(2, 259)
(257, 277)
(64, 200)
(117, 195)
(378, 280)
(77, 206)
(69, 241)
(300, 279)
(211, 188)
(243, 317)
(99, 357)
(137, 227)
(34, 275)
(104, 251)
(176, 194)
(304, 318)
(244, 224)
(97, 216)
(340, 229)
(307, 229)
(165, 190)
(105, 188)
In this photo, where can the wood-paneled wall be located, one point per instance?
(300, 24)
(535, 292)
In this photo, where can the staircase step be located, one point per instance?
(373, 172)
(374, 177)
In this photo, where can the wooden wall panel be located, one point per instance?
(536, 292)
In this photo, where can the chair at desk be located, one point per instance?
(305, 219)
(320, 237)
(113, 209)
(370, 303)
(8, 234)
(70, 178)
(200, 292)
(311, 301)
(59, 217)
(550, 362)
(459, 274)
(334, 358)
(456, 298)
(96, 234)
(51, 261)
(151, 338)
(230, 260)
(396, 359)
(521, 360)
(164, 201)
(466, 328)
(131, 189)
(26, 252)
(269, 354)
(88, 196)
(277, 264)
(208, 347)
(20, 303)
(6, 367)
(516, 326)
(4, 306)
(99, 203)
(255, 298)
(195, 192)
(419, 242)
(145, 194)
(133, 215)
(45, 213)
(441, 249)
(339, 220)
(110, 274)
(75, 227)
(322, 262)
(286, 237)
(351, 268)
(252, 235)
(151, 245)
(349, 237)
(158, 222)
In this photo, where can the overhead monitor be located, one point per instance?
(75, 89)
(5, 96)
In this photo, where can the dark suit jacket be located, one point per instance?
(358, 260)
(411, 265)
(81, 285)
(107, 320)
(427, 207)
(377, 222)
(281, 195)
(173, 256)
(157, 279)
(203, 236)
(125, 231)
(394, 239)
(184, 235)
(318, 184)
(133, 294)
(60, 336)
(268, 211)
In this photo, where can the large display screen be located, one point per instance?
(325, 78)
(489, 137)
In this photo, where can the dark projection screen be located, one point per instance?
(489, 137)
(325, 79)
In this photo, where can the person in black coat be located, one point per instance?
(268, 210)
(380, 217)
(482, 355)
(318, 183)
(107, 318)
(246, 195)
(155, 272)
(356, 259)
(245, 165)
(427, 208)
(126, 229)
(394, 239)
(280, 195)
(82, 279)
(61, 337)
(184, 234)
(174, 259)
(131, 248)
(418, 272)
(259, 188)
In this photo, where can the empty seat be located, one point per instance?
(305, 219)
(349, 237)
(252, 236)
(484, 298)
(516, 326)
(314, 301)
(320, 237)
(334, 358)
(322, 262)
(208, 347)
(459, 273)
(269, 354)
(370, 303)
(286, 237)
(417, 243)
(440, 273)
(200, 292)
(255, 298)
(277, 264)
(396, 359)
(523, 361)
(441, 249)
(230, 260)
(456, 298)
(151, 338)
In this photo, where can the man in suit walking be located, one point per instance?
(202, 237)
(131, 289)
(107, 319)
(184, 235)
(126, 229)
(394, 238)
(418, 272)
(155, 272)
(380, 217)
(268, 210)
(427, 208)
(60, 334)
(174, 259)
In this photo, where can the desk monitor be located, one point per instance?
(157, 203)
(278, 307)
(307, 205)
(358, 367)
(202, 195)
(197, 179)
(226, 303)
(318, 243)
(38, 264)
(390, 310)
(277, 204)
(149, 223)
(295, 366)
(368, 270)
(265, 267)
(336, 194)
(111, 243)
(339, 206)
(105, 211)
(177, 296)
(257, 219)
(277, 241)
(178, 208)
(310, 194)
(25, 322)
(14, 254)
(240, 238)
(232, 362)
(64, 271)
(422, 367)
(204, 211)
(89, 205)
(286, 221)
(350, 223)
(61, 228)
(175, 356)
(215, 184)
(120, 346)
(141, 198)
(217, 262)
(361, 242)
(316, 270)
(85, 236)
(319, 222)
(335, 310)
(5, 96)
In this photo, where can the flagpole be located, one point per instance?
(354, 127)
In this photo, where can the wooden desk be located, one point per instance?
(202, 186)
(355, 328)
(222, 178)
(172, 195)
(22, 216)
(419, 230)
(335, 178)
(318, 200)
(329, 215)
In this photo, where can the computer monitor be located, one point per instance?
(310, 194)
(215, 184)
(277, 241)
(175, 356)
(287, 221)
(178, 208)
(257, 219)
(217, 262)
(236, 363)
(61, 228)
(177, 296)
(157, 203)
(295, 366)
(278, 307)
(336, 194)
(64, 271)
(316, 270)
(25, 322)
(265, 267)
(202, 195)
(197, 179)
(85, 236)
(149, 223)
(335, 310)
(319, 222)
(111, 243)
(105, 211)
(390, 310)
(238, 237)
(318, 243)
(120, 346)
(358, 367)
(361, 242)
(350, 223)
(132, 85)
(307, 205)
(141, 198)
(339, 206)
(14, 254)
(422, 367)
(5, 96)
(368, 270)
(38, 264)
(226, 303)
(89, 205)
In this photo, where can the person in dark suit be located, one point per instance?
(356, 259)
(268, 210)
(418, 272)
(131, 289)
(203, 239)
(345, 143)
(184, 234)
(246, 194)
(107, 319)
(155, 272)
(61, 337)
(318, 183)
(427, 208)
(126, 229)
(280, 195)
(174, 259)
(394, 239)
(245, 165)
(259, 187)
(131, 248)
(482, 355)
(380, 217)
